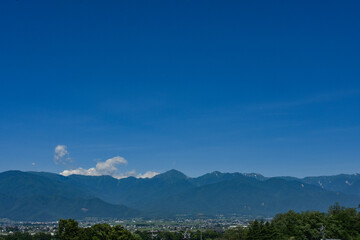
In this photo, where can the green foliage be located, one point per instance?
(259, 230)
(339, 223)
(70, 230)
(343, 223)
(27, 236)
(42, 236)
(238, 233)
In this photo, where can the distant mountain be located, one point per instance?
(216, 177)
(337, 183)
(354, 188)
(171, 176)
(133, 192)
(247, 196)
(28, 184)
(343, 183)
(52, 208)
(48, 196)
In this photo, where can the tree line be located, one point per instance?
(338, 223)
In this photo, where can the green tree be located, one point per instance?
(238, 233)
(119, 233)
(68, 229)
(42, 236)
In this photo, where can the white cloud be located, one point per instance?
(81, 171)
(61, 155)
(109, 167)
(148, 174)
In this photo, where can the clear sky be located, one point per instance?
(236, 86)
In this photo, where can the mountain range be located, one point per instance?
(42, 196)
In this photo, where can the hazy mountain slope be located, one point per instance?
(354, 188)
(216, 177)
(250, 196)
(104, 187)
(43, 196)
(131, 191)
(337, 183)
(52, 208)
(47, 196)
(24, 184)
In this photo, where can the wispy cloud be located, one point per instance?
(110, 168)
(61, 155)
(325, 97)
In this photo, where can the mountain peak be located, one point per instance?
(257, 176)
(171, 174)
(216, 173)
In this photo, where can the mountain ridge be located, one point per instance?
(168, 194)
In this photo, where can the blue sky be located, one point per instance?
(236, 86)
